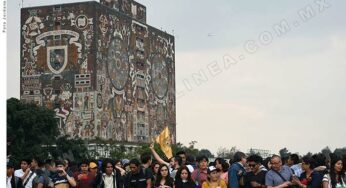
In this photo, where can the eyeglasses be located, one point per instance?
(251, 165)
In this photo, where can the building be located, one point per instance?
(104, 71)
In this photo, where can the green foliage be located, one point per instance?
(206, 152)
(284, 152)
(28, 128)
(72, 149)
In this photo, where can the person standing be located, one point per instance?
(279, 176)
(200, 174)
(237, 170)
(256, 177)
(110, 177)
(335, 177)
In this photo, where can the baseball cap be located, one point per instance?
(92, 165)
(211, 169)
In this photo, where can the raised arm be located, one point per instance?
(156, 156)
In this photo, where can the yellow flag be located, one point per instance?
(164, 140)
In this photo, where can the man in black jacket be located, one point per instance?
(109, 176)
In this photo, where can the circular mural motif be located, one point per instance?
(117, 64)
(159, 75)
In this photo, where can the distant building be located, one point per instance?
(263, 153)
(104, 71)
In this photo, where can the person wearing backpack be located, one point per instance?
(41, 179)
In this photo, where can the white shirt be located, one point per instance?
(108, 181)
(29, 184)
(8, 183)
(19, 173)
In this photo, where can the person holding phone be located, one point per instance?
(62, 179)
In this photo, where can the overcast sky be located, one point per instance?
(241, 81)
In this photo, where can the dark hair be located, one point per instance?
(104, 164)
(320, 159)
(28, 161)
(145, 157)
(255, 158)
(295, 158)
(179, 160)
(169, 180)
(310, 161)
(344, 163)
(39, 161)
(181, 152)
(153, 164)
(333, 160)
(117, 161)
(178, 180)
(84, 161)
(201, 157)
(190, 159)
(238, 156)
(49, 162)
(60, 162)
(225, 166)
(266, 161)
(135, 162)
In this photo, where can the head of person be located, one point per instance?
(266, 163)
(146, 158)
(171, 161)
(336, 167)
(335, 163)
(24, 164)
(213, 173)
(163, 171)
(320, 159)
(239, 157)
(49, 165)
(178, 161)
(134, 166)
(93, 167)
(60, 166)
(293, 159)
(155, 167)
(10, 169)
(276, 162)
(36, 162)
(308, 163)
(67, 163)
(202, 162)
(218, 163)
(183, 174)
(84, 166)
(182, 154)
(190, 159)
(254, 162)
(117, 163)
(107, 166)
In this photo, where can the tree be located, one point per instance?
(227, 154)
(73, 149)
(29, 127)
(326, 151)
(206, 152)
(340, 151)
(284, 153)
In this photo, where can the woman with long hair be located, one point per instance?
(334, 179)
(163, 179)
(309, 178)
(183, 178)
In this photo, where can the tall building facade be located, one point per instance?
(101, 68)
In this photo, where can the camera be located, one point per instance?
(59, 171)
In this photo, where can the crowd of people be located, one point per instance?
(182, 171)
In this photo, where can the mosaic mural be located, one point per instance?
(105, 74)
